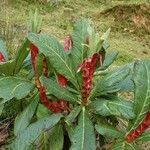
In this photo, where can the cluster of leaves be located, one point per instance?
(95, 110)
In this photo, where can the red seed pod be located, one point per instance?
(87, 68)
(2, 59)
(139, 130)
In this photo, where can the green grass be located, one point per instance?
(132, 42)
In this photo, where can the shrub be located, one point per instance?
(72, 94)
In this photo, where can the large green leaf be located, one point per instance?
(73, 114)
(51, 48)
(22, 53)
(109, 59)
(108, 130)
(84, 137)
(111, 82)
(98, 44)
(14, 87)
(56, 138)
(7, 68)
(145, 137)
(80, 34)
(32, 132)
(142, 92)
(42, 111)
(114, 106)
(13, 66)
(57, 90)
(124, 146)
(23, 119)
(50, 140)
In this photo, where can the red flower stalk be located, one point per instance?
(34, 53)
(139, 130)
(87, 68)
(55, 107)
(2, 59)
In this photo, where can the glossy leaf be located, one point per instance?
(51, 48)
(108, 131)
(23, 119)
(142, 92)
(32, 132)
(110, 83)
(14, 87)
(115, 107)
(84, 137)
(22, 53)
(57, 90)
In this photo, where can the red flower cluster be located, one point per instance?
(139, 130)
(2, 59)
(55, 107)
(87, 68)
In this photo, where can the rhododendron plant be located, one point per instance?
(74, 98)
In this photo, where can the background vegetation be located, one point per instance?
(129, 21)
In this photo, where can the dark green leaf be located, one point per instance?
(39, 64)
(108, 130)
(42, 111)
(7, 68)
(70, 130)
(1, 108)
(50, 140)
(23, 119)
(115, 107)
(14, 87)
(73, 114)
(142, 92)
(56, 138)
(111, 82)
(58, 91)
(84, 137)
(32, 132)
(81, 33)
(22, 53)
(109, 59)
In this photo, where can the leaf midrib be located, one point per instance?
(83, 132)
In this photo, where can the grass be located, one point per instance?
(126, 37)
